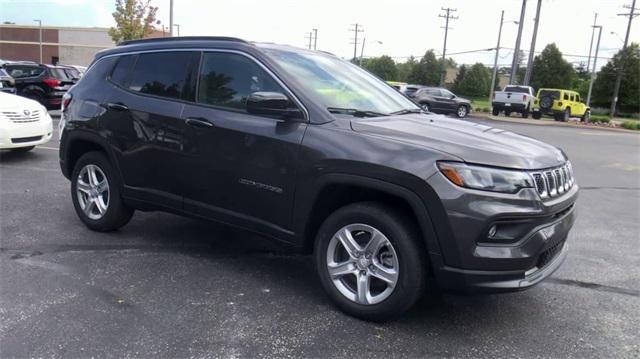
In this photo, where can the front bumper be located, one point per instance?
(16, 135)
(529, 246)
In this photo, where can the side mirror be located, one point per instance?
(273, 104)
(452, 96)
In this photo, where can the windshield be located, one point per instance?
(340, 84)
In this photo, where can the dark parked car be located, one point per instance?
(7, 83)
(410, 90)
(43, 83)
(72, 73)
(310, 150)
(441, 100)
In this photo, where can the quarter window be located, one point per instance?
(566, 96)
(228, 79)
(166, 74)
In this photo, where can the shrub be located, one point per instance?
(631, 125)
(599, 118)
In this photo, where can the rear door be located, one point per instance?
(447, 100)
(143, 118)
(241, 167)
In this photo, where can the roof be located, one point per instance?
(181, 39)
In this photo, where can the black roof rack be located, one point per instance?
(181, 38)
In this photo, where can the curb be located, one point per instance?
(541, 122)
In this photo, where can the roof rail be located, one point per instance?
(181, 38)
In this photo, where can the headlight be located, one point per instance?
(485, 178)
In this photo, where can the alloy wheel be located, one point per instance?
(92, 191)
(462, 111)
(362, 264)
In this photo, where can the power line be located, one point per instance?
(448, 17)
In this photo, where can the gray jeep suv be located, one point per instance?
(314, 152)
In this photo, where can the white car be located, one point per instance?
(24, 123)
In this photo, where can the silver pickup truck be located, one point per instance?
(513, 99)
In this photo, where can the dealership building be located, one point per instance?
(63, 45)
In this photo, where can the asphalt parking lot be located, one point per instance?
(166, 286)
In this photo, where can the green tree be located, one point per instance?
(427, 71)
(405, 68)
(134, 20)
(476, 81)
(550, 69)
(629, 95)
(459, 77)
(384, 67)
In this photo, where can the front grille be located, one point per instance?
(22, 116)
(549, 254)
(554, 181)
(25, 139)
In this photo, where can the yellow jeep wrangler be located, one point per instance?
(562, 104)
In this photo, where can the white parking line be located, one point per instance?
(48, 148)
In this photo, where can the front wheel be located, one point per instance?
(567, 115)
(586, 117)
(462, 111)
(370, 261)
(96, 194)
(425, 106)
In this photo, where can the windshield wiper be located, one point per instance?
(355, 112)
(407, 111)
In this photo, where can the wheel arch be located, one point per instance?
(77, 144)
(333, 191)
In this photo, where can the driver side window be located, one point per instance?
(228, 79)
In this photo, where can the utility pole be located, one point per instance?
(495, 60)
(177, 26)
(616, 87)
(447, 16)
(315, 38)
(595, 60)
(170, 17)
(532, 49)
(364, 40)
(516, 51)
(309, 36)
(593, 32)
(357, 28)
(40, 26)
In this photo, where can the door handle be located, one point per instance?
(117, 106)
(198, 122)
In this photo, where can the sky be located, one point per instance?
(397, 28)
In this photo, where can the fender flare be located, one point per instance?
(78, 135)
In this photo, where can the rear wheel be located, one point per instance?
(495, 111)
(95, 192)
(370, 261)
(525, 113)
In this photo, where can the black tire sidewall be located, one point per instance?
(117, 213)
(411, 258)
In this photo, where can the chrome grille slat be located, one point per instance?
(19, 117)
(553, 182)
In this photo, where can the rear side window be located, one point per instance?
(577, 98)
(121, 71)
(59, 73)
(228, 79)
(18, 71)
(166, 74)
(566, 96)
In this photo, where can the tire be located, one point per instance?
(525, 113)
(495, 111)
(507, 113)
(22, 149)
(426, 107)
(566, 116)
(536, 115)
(586, 116)
(106, 210)
(557, 117)
(406, 256)
(462, 111)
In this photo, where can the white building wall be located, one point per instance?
(83, 45)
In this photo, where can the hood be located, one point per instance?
(471, 142)
(15, 102)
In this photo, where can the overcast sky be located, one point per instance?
(398, 28)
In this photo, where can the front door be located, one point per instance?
(241, 167)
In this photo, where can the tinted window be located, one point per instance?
(228, 79)
(59, 73)
(566, 96)
(433, 92)
(516, 89)
(577, 98)
(122, 69)
(447, 93)
(167, 74)
(19, 71)
(550, 93)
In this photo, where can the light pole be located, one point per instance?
(178, 26)
(170, 17)
(364, 39)
(40, 25)
(595, 59)
(495, 60)
(516, 51)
